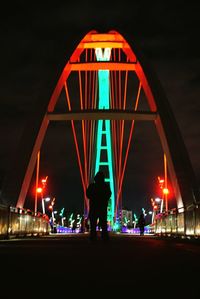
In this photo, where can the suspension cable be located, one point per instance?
(127, 150)
(76, 145)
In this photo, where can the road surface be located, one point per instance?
(125, 265)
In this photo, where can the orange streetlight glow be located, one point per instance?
(39, 190)
(165, 191)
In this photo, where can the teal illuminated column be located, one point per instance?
(104, 159)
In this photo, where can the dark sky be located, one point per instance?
(168, 35)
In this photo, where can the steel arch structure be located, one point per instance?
(103, 63)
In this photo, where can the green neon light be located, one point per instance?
(99, 139)
(110, 166)
(104, 103)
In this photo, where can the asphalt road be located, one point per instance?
(127, 264)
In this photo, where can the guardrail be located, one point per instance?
(179, 222)
(22, 222)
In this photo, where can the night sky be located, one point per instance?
(167, 34)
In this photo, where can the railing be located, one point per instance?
(22, 222)
(181, 223)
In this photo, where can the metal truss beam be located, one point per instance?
(103, 114)
(96, 66)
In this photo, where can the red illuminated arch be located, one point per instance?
(182, 176)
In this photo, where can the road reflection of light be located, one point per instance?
(136, 231)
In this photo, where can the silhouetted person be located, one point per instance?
(99, 194)
(74, 227)
(141, 223)
(82, 226)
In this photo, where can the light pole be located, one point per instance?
(161, 183)
(37, 177)
(165, 196)
(165, 190)
(154, 208)
(52, 210)
(39, 190)
(44, 182)
(46, 199)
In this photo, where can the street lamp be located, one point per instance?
(39, 190)
(163, 186)
(47, 199)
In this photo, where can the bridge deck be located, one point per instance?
(126, 264)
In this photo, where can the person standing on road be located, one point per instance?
(98, 194)
(141, 223)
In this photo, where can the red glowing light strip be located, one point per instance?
(117, 134)
(86, 79)
(125, 89)
(83, 127)
(89, 123)
(86, 123)
(80, 89)
(90, 147)
(77, 148)
(90, 83)
(115, 82)
(120, 85)
(122, 127)
(116, 98)
(120, 123)
(67, 96)
(115, 148)
(104, 37)
(127, 151)
(89, 93)
(80, 166)
(115, 101)
(101, 44)
(93, 87)
(113, 127)
(84, 149)
(92, 123)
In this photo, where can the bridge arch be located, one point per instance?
(185, 188)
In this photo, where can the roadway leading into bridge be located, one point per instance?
(126, 264)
